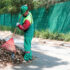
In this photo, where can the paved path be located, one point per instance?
(51, 55)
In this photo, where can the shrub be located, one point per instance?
(56, 36)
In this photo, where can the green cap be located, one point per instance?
(24, 8)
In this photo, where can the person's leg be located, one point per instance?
(27, 48)
(30, 55)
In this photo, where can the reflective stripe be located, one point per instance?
(27, 52)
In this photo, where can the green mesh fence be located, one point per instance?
(59, 20)
(2, 17)
(40, 18)
(56, 19)
(10, 19)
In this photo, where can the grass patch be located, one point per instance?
(8, 28)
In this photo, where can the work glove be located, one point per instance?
(17, 23)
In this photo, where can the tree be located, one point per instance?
(13, 6)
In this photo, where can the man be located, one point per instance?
(28, 28)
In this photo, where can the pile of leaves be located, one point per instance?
(10, 57)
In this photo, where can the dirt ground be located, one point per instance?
(50, 54)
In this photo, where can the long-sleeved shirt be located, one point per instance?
(25, 25)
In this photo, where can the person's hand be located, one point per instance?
(17, 23)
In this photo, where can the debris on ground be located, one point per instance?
(10, 57)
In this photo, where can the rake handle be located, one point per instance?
(15, 28)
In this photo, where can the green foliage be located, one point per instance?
(44, 34)
(13, 6)
(56, 36)
(5, 28)
(46, 3)
(37, 33)
(67, 37)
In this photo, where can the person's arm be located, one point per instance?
(25, 26)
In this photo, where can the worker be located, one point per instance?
(28, 28)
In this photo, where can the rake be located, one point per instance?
(10, 45)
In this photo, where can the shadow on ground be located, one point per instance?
(42, 61)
